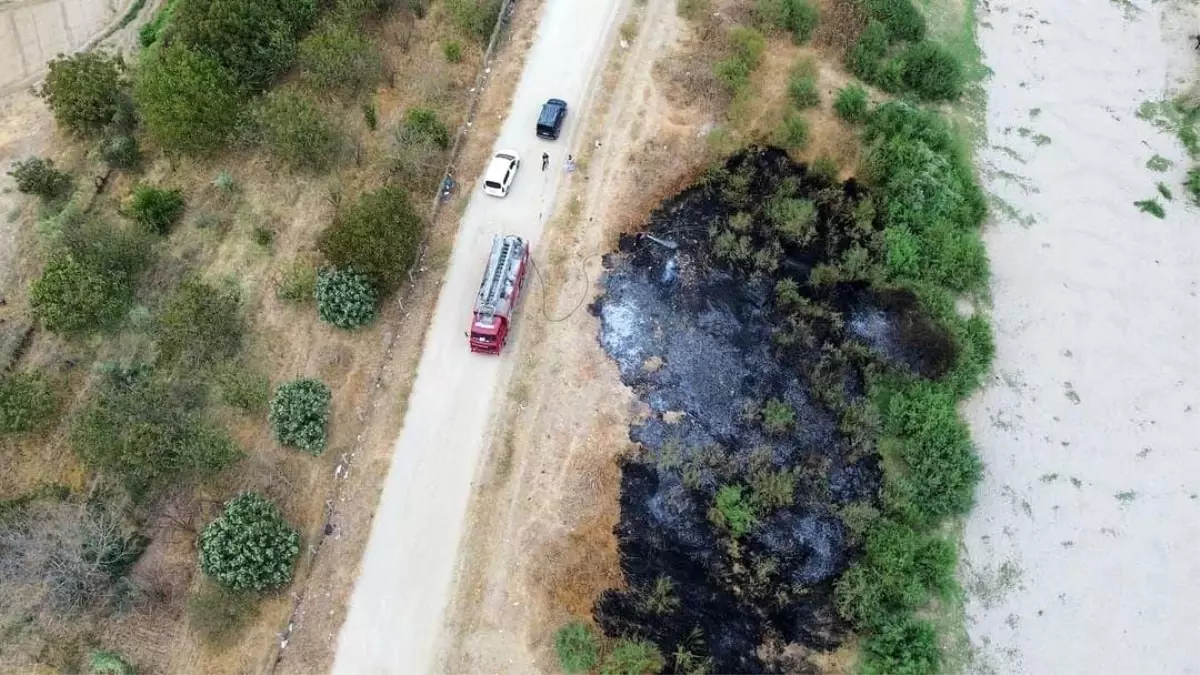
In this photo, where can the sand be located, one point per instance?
(1081, 554)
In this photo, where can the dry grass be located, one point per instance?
(285, 340)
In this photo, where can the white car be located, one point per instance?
(500, 173)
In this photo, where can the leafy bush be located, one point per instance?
(865, 54)
(1151, 206)
(37, 176)
(378, 236)
(190, 104)
(576, 647)
(152, 30)
(200, 324)
(110, 663)
(82, 90)
(299, 413)
(249, 546)
(338, 58)
(243, 387)
(901, 18)
(1192, 184)
(900, 569)
(263, 236)
(370, 116)
(73, 297)
(476, 18)
(155, 209)
(778, 417)
(733, 73)
(296, 132)
(794, 132)
(733, 511)
(219, 614)
(253, 40)
(793, 220)
(748, 45)
(345, 298)
(903, 647)
(632, 656)
(798, 17)
(852, 103)
(424, 123)
(932, 72)
(802, 86)
(27, 402)
(453, 51)
(120, 152)
(149, 432)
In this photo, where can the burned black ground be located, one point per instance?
(750, 345)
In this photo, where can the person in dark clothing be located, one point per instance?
(545, 160)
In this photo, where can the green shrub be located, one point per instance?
(852, 103)
(253, 40)
(453, 51)
(798, 17)
(733, 511)
(370, 116)
(794, 131)
(120, 152)
(299, 414)
(1151, 206)
(903, 647)
(110, 663)
(1192, 184)
(200, 324)
(424, 123)
(73, 297)
(825, 167)
(37, 176)
(153, 30)
(865, 54)
(218, 614)
(189, 103)
(345, 298)
(27, 402)
(576, 647)
(900, 570)
(82, 90)
(476, 18)
(338, 58)
(778, 417)
(263, 236)
(296, 132)
(242, 387)
(632, 656)
(902, 19)
(377, 236)
(150, 432)
(802, 87)
(297, 282)
(733, 73)
(747, 45)
(249, 546)
(935, 444)
(692, 9)
(1165, 191)
(932, 72)
(155, 209)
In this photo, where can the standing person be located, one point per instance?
(545, 160)
(570, 165)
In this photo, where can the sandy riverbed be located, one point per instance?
(1081, 555)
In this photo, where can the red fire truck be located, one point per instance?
(498, 294)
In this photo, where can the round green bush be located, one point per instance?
(345, 298)
(932, 72)
(299, 413)
(337, 57)
(73, 297)
(120, 152)
(37, 176)
(904, 647)
(852, 103)
(155, 209)
(82, 90)
(250, 546)
(190, 104)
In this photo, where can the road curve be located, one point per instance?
(396, 610)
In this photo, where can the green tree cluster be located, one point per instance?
(894, 53)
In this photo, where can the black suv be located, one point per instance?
(550, 122)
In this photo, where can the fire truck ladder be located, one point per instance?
(498, 279)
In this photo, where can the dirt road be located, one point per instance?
(404, 583)
(1081, 552)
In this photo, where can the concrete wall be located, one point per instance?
(34, 31)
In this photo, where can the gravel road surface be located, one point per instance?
(396, 611)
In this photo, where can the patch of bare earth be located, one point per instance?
(540, 545)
